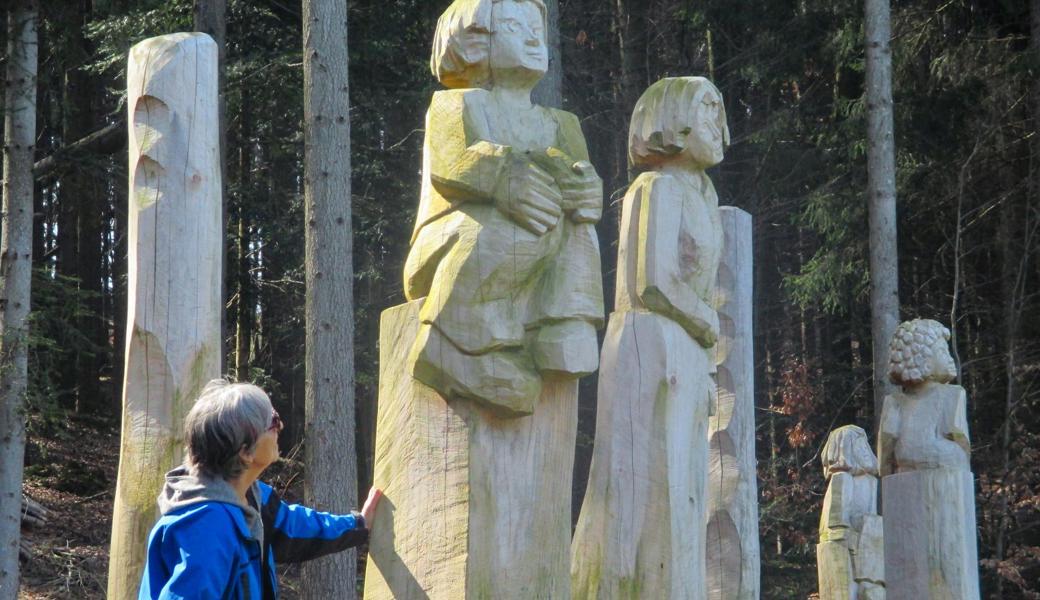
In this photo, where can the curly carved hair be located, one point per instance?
(912, 348)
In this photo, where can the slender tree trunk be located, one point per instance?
(120, 266)
(549, 91)
(881, 194)
(632, 36)
(331, 461)
(246, 305)
(71, 188)
(15, 276)
(83, 191)
(1013, 275)
(211, 19)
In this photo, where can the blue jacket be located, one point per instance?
(208, 546)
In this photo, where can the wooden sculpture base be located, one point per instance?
(475, 506)
(930, 548)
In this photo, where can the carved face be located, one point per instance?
(863, 455)
(705, 143)
(943, 369)
(517, 48)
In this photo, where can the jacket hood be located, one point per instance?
(184, 487)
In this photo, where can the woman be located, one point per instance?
(221, 529)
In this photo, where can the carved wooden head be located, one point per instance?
(481, 42)
(678, 118)
(920, 352)
(848, 449)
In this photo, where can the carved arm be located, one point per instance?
(658, 282)
(956, 421)
(465, 166)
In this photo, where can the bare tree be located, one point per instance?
(881, 193)
(16, 276)
(331, 462)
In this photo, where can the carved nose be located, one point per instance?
(533, 40)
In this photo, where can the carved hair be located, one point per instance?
(848, 449)
(460, 45)
(911, 350)
(226, 418)
(664, 116)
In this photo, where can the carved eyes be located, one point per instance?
(514, 26)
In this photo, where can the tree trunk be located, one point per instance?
(119, 224)
(881, 195)
(631, 35)
(81, 196)
(331, 462)
(15, 276)
(211, 19)
(245, 307)
(549, 91)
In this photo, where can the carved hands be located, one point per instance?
(529, 196)
(580, 186)
(540, 187)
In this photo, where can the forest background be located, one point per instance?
(966, 82)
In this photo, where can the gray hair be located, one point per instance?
(227, 418)
(461, 43)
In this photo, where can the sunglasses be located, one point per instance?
(276, 421)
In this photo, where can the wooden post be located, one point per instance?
(732, 540)
(174, 304)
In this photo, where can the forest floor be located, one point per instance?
(71, 470)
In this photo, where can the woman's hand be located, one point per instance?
(368, 511)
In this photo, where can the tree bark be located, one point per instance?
(16, 276)
(881, 194)
(84, 190)
(245, 307)
(549, 91)
(630, 22)
(331, 461)
(210, 17)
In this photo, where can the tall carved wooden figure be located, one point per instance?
(478, 372)
(927, 488)
(850, 556)
(173, 312)
(641, 532)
